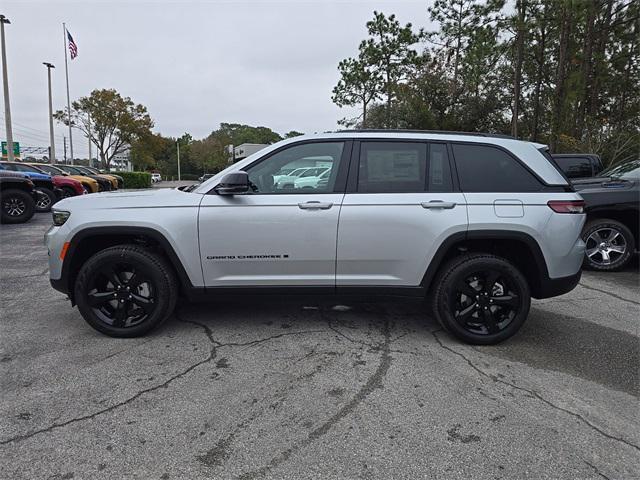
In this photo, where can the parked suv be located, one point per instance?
(480, 224)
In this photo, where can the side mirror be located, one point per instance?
(233, 183)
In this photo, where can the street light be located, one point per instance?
(5, 82)
(178, 148)
(52, 148)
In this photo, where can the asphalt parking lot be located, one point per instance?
(295, 391)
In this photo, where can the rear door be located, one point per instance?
(400, 205)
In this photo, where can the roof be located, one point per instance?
(437, 132)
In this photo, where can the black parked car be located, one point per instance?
(612, 230)
(43, 182)
(579, 165)
(18, 197)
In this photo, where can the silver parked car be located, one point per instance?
(478, 223)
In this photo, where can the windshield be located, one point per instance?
(72, 170)
(628, 170)
(51, 170)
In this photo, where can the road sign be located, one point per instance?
(16, 149)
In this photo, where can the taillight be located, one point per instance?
(566, 206)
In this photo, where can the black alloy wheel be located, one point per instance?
(480, 298)
(126, 290)
(485, 302)
(120, 295)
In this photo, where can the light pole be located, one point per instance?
(5, 82)
(52, 152)
(178, 147)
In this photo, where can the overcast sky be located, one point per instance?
(193, 64)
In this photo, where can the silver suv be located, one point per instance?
(477, 223)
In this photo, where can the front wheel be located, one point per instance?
(481, 299)
(46, 199)
(125, 291)
(16, 206)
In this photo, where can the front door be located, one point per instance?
(279, 234)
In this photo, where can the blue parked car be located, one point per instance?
(47, 193)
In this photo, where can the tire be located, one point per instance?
(126, 291)
(498, 310)
(87, 188)
(44, 203)
(609, 245)
(68, 192)
(16, 206)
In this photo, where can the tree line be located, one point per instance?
(561, 72)
(115, 125)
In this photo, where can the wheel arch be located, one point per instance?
(519, 248)
(88, 242)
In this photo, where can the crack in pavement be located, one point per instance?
(597, 470)
(373, 382)
(327, 317)
(212, 355)
(609, 293)
(46, 270)
(534, 394)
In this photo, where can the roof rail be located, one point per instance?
(439, 132)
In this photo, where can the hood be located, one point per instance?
(600, 182)
(135, 199)
(38, 176)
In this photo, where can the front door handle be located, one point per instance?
(315, 205)
(438, 204)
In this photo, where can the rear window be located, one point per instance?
(403, 167)
(575, 167)
(483, 168)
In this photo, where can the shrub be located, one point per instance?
(136, 179)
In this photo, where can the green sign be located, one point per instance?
(16, 149)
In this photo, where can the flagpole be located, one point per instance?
(66, 69)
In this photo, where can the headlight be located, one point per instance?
(59, 217)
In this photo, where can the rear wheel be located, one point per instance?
(45, 201)
(125, 291)
(16, 206)
(481, 299)
(609, 244)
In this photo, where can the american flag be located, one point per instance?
(73, 48)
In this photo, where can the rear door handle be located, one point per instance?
(438, 204)
(315, 205)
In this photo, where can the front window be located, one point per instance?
(305, 163)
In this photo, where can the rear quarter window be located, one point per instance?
(483, 168)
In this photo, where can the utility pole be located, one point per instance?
(52, 148)
(65, 149)
(66, 69)
(89, 136)
(178, 146)
(5, 83)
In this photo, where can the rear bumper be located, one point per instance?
(554, 287)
